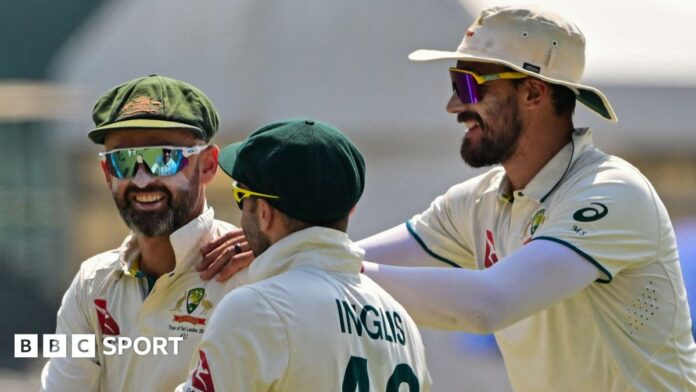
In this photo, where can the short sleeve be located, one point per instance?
(611, 219)
(245, 347)
(443, 230)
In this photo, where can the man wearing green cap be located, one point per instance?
(309, 320)
(145, 303)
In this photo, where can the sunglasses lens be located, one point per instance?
(465, 86)
(121, 163)
(158, 161)
(163, 162)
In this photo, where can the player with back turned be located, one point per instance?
(309, 321)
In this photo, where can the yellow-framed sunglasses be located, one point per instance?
(466, 84)
(240, 194)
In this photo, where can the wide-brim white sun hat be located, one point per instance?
(533, 41)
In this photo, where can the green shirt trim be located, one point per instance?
(583, 254)
(415, 235)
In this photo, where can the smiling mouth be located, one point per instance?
(148, 198)
(470, 124)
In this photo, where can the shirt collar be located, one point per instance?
(551, 175)
(319, 247)
(186, 241)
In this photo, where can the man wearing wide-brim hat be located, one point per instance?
(566, 253)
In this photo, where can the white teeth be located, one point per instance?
(470, 124)
(148, 197)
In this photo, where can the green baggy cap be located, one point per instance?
(315, 170)
(154, 102)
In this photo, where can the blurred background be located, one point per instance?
(344, 62)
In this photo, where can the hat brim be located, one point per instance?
(228, 157)
(589, 96)
(98, 134)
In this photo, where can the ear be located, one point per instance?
(535, 93)
(265, 215)
(208, 163)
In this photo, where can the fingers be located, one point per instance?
(238, 262)
(232, 235)
(223, 256)
(214, 249)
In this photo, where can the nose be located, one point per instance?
(455, 105)
(142, 177)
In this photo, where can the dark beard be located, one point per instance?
(160, 223)
(492, 149)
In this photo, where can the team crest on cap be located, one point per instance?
(140, 105)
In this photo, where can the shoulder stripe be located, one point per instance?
(412, 231)
(583, 254)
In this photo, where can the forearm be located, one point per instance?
(441, 298)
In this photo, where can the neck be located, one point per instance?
(537, 145)
(156, 255)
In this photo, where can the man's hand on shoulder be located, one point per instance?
(225, 256)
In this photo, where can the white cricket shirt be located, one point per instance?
(109, 298)
(311, 322)
(631, 329)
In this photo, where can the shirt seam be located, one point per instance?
(657, 215)
(282, 321)
(565, 172)
(672, 338)
(611, 355)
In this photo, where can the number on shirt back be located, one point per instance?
(356, 378)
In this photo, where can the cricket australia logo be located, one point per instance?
(195, 300)
(537, 221)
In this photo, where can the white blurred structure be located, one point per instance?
(346, 62)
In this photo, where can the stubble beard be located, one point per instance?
(160, 223)
(257, 240)
(494, 147)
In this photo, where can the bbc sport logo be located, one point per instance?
(84, 345)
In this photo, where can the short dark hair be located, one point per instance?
(563, 100)
(294, 225)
